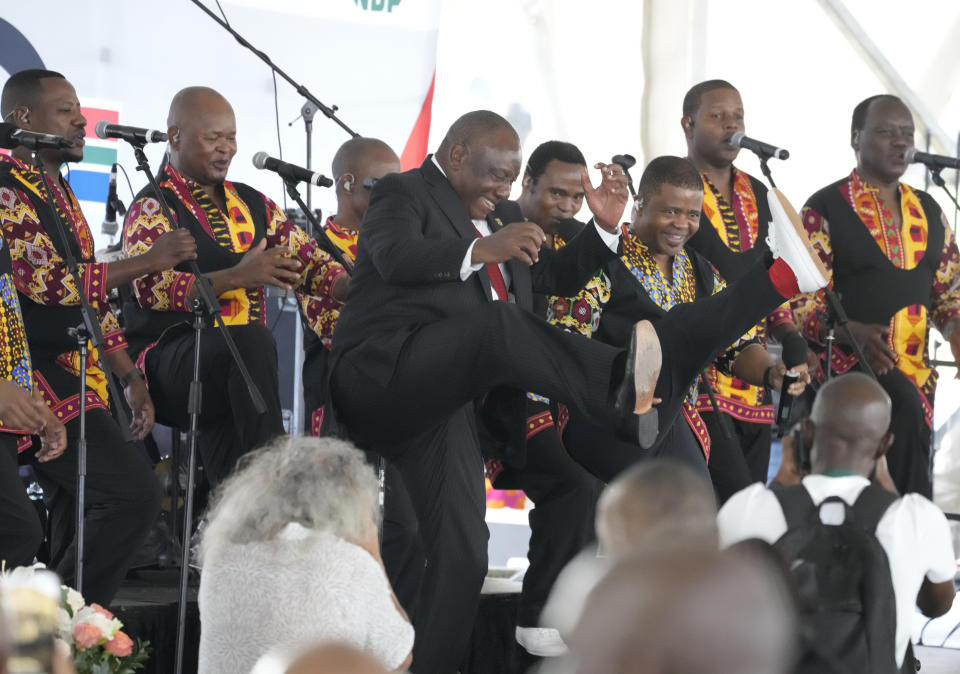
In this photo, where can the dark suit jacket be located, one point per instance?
(415, 235)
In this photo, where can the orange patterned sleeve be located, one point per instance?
(807, 307)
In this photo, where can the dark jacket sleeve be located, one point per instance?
(566, 271)
(393, 233)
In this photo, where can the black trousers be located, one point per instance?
(229, 425)
(908, 458)
(739, 461)
(425, 414)
(21, 532)
(565, 497)
(691, 337)
(122, 501)
(424, 423)
(598, 449)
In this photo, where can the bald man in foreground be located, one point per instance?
(691, 611)
(848, 431)
(244, 242)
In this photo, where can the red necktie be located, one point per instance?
(496, 277)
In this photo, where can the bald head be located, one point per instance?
(192, 101)
(680, 611)
(849, 422)
(335, 659)
(357, 166)
(480, 156)
(203, 135)
(652, 499)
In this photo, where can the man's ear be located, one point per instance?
(173, 137)
(883, 445)
(459, 154)
(855, 140)
(687, 123)
(20, 116)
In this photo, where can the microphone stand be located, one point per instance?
(836, 315)
(205, 306)
(88, 330)
(938, 180)
(302, 90)
(766, 169)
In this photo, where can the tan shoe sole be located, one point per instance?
(647, 361)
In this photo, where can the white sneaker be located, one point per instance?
(544, 642)
(789, 242)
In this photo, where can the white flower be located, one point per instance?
(64, 625)
(96, 619)
(74, 599)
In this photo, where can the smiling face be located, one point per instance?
(708, 131)
(204, 142)
(483, 169)
(556, 195)
(56, 110)
(882, 143)
(667, 218)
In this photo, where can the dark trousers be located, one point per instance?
(122, 500)
(21, 532)
(229, 425)
(736, 462)
(691, 337)
(424, 423)
(598, 449)
(908, 458)
(565, 497)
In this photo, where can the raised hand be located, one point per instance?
(517, 241)
(607, 201)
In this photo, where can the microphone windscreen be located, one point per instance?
(627, 161)
(910, 156)
(794, 350)
(260, 160)
(736, 138)
(101, 128)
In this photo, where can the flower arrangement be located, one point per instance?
(94, 635)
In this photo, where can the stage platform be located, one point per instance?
(147, 605)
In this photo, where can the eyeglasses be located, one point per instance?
(370, 182)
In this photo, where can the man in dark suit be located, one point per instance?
(420, 340)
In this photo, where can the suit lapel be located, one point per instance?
(449, 202)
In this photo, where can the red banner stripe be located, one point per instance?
(96, 115)
(416, 149)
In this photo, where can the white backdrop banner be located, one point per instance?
(374, 59)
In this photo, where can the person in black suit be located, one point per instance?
(421, 338)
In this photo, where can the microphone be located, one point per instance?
(12, 136)
(131, 134)
(932, 161)
(794, 354)
(504, 213)
(291, 172)
(759, 148)
(114, 205)
(626, 162)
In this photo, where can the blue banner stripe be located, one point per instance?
(90, 185)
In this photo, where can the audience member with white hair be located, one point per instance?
(653, 504)
(290, 557)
